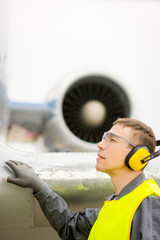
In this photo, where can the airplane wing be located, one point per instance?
(72, 175)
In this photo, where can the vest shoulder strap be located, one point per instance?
(115, 218)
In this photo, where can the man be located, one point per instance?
(131, 212)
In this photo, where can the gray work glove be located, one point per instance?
(24, 176)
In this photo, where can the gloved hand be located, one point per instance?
(24, 176)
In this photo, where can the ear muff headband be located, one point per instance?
(134, 157)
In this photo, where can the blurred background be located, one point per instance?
(52, 51)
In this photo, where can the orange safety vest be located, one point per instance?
(115, 218)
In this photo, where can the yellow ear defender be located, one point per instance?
(139, 156)
(135, 156)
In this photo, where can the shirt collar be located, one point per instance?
(128, 188)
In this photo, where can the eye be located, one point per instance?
(112, 140)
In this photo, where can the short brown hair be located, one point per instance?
(142, 134)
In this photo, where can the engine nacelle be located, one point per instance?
(86, 106)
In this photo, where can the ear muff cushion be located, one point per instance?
(134, 157)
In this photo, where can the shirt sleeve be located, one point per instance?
(69, 225)
(146, 221)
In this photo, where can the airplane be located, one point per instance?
(97, 60)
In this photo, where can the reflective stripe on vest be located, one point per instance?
(115, 218)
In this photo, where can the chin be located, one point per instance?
(98, 168)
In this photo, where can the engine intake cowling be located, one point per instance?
(86, 106)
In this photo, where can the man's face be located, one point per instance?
(112, 153)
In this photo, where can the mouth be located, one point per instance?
(99, 156)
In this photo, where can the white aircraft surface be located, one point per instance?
(68, 69)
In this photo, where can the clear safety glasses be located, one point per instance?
(107, 134)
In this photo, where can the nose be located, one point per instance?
(101, 144)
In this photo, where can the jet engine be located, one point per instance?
(85, 107)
